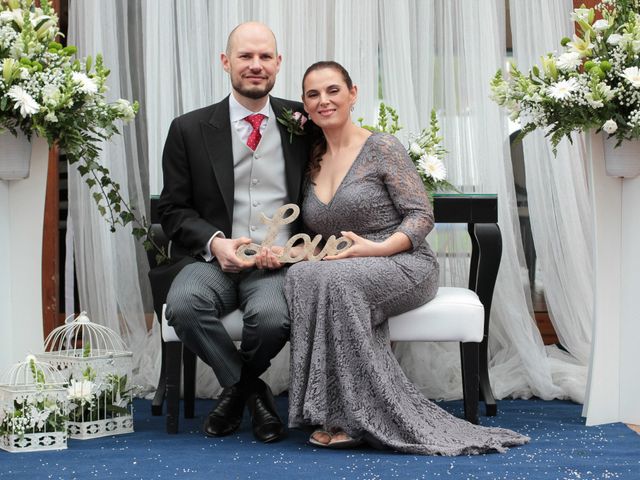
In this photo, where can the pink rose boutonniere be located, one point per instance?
(294, 121)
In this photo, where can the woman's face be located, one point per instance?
(327, 98)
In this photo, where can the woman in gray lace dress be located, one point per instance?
(344, 377)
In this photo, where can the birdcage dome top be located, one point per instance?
(80, 337)
(32, 373)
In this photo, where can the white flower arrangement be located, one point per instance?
(35, 411)
(593, 84)
(45, 91)
(90, 401)
(425, 149)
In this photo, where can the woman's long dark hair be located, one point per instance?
(319, 147)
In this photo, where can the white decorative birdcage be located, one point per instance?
(97, 366)
(33, 408)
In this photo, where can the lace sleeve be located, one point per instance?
(405, 189)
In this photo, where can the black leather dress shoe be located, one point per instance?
(226, 417)
(267, 426)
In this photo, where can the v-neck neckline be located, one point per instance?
(313, 188)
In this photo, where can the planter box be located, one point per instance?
(34, 442)
(16, 156)
(101, 428)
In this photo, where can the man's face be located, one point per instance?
(252, 61)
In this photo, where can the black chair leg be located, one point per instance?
(158, 398)
(189, 363)
(486, 394)
(173, 368)
(469, 354)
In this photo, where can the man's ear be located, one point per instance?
(225, 62)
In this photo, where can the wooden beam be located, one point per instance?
(51, 239)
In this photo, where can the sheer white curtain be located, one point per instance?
(446, 59)
(462, 53)
(109, 265)
(559, 202)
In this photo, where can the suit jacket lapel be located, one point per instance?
(216, 135)
(293, 152)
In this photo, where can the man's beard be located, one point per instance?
(253, 93)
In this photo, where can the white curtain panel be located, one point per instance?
(420, 54)
(559, 201)
(107, 265)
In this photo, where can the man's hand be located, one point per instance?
(224, 249)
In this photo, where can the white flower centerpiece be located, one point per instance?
(425, 149)
(97, 365)
(33, 408)
(46, 91)
(592, 84)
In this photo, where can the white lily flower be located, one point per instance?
(433, 167)
(580, 14)
(632, 74)
(25, 102)
(610, 126)
(563, 89)
(87, 85)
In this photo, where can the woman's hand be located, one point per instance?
(361, 247)
(266, 258)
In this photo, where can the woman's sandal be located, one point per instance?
(313, 440)
(347, 442)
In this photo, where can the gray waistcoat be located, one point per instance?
(260, 185)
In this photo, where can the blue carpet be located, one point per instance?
(561, 448)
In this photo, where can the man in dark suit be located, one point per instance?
(223, 165)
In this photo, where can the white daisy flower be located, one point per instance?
(81, 391)
(563, 89)
(23, 101)
(433, 167)
(87, 85)
(569, 61)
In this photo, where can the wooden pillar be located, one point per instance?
(51, 238)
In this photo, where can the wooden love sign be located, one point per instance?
(332, 246)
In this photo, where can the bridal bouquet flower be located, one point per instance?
(593, 83)
(425, 149)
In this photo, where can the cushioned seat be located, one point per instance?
(454, 315)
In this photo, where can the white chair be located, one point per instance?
(454, 315)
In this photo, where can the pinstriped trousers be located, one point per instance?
(202, 294)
